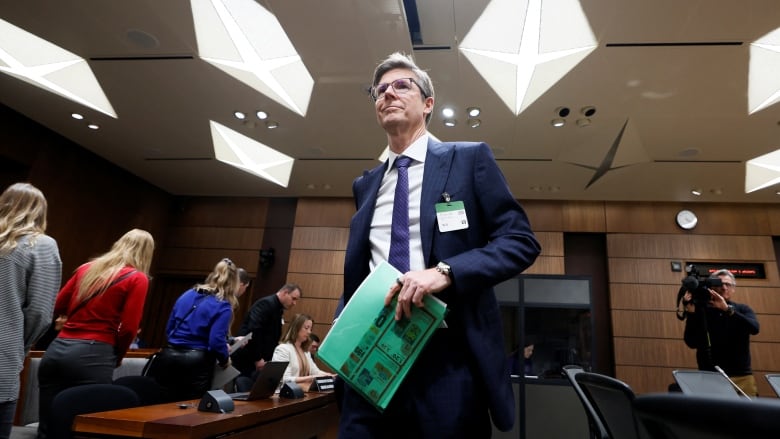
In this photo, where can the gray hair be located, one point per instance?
(398, 60)
(724, 272)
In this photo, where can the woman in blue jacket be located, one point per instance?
(197, 335)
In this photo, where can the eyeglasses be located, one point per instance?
(400, 85)
(728, 284)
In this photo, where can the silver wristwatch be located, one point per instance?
(444, 268)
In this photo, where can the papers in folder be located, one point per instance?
(369, 349)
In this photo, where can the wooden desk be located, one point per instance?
(314, 415)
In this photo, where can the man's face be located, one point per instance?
(241, 289)
(315, 345)
(290, 298)
(401, 111)
(727, 288)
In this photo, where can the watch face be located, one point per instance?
(686, 219)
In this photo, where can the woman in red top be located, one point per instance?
(103, 302)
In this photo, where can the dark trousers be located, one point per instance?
(68, 363)
(183, 373)
(7, 412)
(440, 398)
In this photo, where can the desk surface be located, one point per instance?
(313, 415)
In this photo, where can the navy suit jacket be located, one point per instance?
(497, 245)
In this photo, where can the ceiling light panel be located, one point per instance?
(250, 156)
(50, 67)
(522, 48)
(246, 41)
(763, 80)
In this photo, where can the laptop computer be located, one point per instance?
(266, 383)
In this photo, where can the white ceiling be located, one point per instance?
(684, 106)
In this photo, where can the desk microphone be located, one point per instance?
(720, 371)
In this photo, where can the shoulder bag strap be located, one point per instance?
(97, 293)
(194, 305)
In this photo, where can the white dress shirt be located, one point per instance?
(383, 211)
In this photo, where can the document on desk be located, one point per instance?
(222, 376)
(369, 349)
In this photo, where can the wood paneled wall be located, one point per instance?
(202, 231)
(642, 242)
(317, 256)
(642, 239)
(91, 201)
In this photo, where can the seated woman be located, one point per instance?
(197, 335)
(294, 347)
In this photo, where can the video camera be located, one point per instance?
(698, 286)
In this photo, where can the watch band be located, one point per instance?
(444, 268)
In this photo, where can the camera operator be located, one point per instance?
(729, 326)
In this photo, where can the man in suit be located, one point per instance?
(264, 321)
(460, 379)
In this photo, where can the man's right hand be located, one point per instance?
(259, 364)
(688, 303)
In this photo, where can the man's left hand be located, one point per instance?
(717, 301)
(412, 287)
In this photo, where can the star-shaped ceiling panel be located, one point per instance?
(523, 60)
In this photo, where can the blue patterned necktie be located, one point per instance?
(399, 230)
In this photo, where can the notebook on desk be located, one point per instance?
(266, 383)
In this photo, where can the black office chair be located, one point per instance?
(680, 416)
(611, 400)
(704, 383)
(774, 381)
(147, 389)
(597, 430)
(88, 398)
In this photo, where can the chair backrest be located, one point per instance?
(88, 398)
(704, 383)
(597, 429)
(774, 381)
(611, 399)
(147, 389)
(673, 416)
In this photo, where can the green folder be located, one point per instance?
(369, 349)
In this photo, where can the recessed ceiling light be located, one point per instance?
(473, 111)
(583, 122)
(76, 116)
(473, 123)
(588, 111)
(447, 112)
(93, 126)
(240, 115)
(696, 192)
(562, 111)
(450, 122)
(271, 124)
(558, 123)
(262, 115)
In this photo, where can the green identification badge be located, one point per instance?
(451, 216)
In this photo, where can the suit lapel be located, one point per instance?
(437, 166)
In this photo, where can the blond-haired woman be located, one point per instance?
(30, 274)
(197, 333)
(294, 347)
(103, 302)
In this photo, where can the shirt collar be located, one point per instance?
(416, 151)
